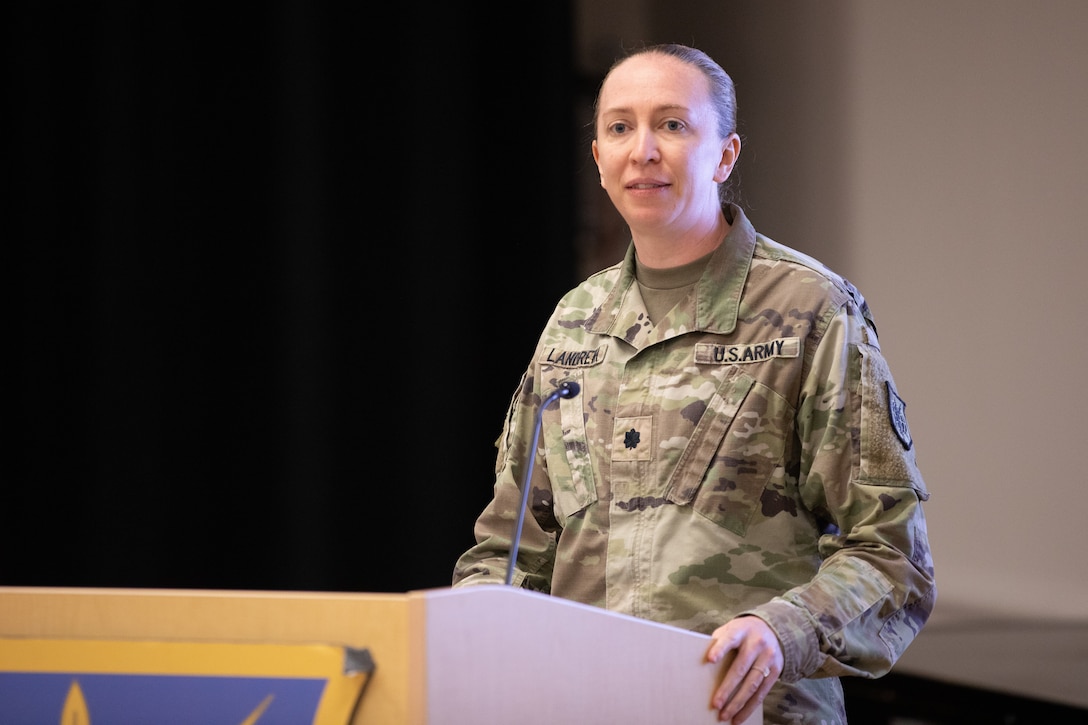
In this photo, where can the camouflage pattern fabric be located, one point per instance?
(748, 455)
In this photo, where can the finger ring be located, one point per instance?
(765, 670)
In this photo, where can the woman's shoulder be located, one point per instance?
(774, 251)
(768, 251)
(836, 289)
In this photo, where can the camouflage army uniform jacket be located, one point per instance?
(748, 454)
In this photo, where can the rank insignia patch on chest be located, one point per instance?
(628, 436)
(897, 411)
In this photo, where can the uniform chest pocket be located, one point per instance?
(735, 450)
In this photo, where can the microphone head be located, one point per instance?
(569, 389)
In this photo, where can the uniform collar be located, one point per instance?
(717, 294)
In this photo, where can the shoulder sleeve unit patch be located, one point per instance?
(897, 411)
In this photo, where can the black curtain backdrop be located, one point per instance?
(277, 271)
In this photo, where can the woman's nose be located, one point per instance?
(645, 148)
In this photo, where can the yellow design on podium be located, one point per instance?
(100, 682)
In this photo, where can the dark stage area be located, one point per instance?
(277, 271)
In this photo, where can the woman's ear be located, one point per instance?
(730, 153)
(597, 160)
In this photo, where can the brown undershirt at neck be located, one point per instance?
(662, 289)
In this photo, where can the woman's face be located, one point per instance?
(657, 146)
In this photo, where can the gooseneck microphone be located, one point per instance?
(566, 389)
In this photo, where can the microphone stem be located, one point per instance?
(513, 556)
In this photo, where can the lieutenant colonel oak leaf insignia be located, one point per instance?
(631, 439)
(897, 411)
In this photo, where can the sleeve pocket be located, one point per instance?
(887, 451)
(575, 489)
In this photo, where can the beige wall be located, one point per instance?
(935, 153)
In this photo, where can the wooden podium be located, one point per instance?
(485, 654)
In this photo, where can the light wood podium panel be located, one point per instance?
(486, 654)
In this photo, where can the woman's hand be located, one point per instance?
(754, 657)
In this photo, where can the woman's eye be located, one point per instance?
(619, 128)
(673, 125)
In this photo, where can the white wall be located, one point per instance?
(935, 153)
(968, 184)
